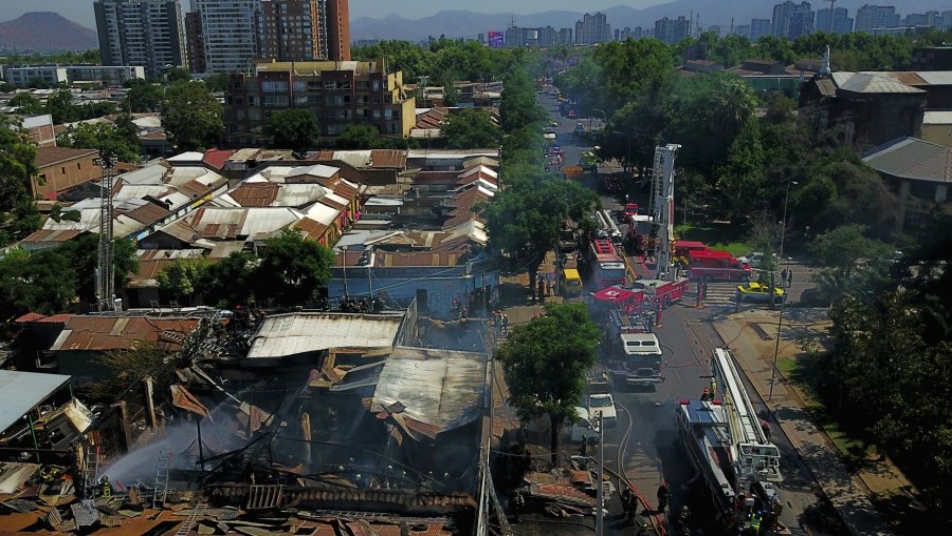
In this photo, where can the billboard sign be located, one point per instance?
(496, 39)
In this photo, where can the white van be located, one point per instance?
(582, 428)
(640, 344)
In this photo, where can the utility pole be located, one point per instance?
(105, 269)
(600, 514)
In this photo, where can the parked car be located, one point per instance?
(582, 428)
(812, 297)
(604, 403)
(754, 291)
(757, 260)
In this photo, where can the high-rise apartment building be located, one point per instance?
(759, 28)
(871, 17)
(547, 36)
(592, 29)
(792, 20)
(834, 21)
(742, 30)
(337, 19)
(672, 31)
(291, 30)
(149, 33)
(229, 34)
(194, 42)
(921, 19)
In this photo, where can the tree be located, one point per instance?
(83, 256)
(360, 136)
(545, 363)
(291, 268)
(182, 278)
(525, 219)
(191, 116)
(633, 70)
(42, 282)
(742, 182)
(850, 263)
(60, 106)
(178, 74)
(142, 96)
(216, 82)
(519, 108)
(105, 138)
(18, 213)
(471, 129)
(227, 283)
(294, 128)
(27, 104)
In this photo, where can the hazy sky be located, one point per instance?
(81, 11)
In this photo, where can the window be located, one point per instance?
(274, 86)
(275, 101)
(79, 165)
(63, 170)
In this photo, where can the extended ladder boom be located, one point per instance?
(755, 458)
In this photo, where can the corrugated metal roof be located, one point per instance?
(317, 170)
(298, 333)
(480, 169)
(22, 391)
(188, 156)
(255, 194)
(102, 333)
(147, 175)
(936, 78)
(265, 221)
(869, 83)
(937, 118)
(441, 388)
(912, 158)
(910, 78)
(52, 236)
(450, 154)
(322, 213)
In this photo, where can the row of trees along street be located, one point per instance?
(886, 380)
(546, 360)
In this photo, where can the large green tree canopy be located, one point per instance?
(191, 115)
(545, 364)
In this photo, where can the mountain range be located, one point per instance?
(455, 24)
(44, 30)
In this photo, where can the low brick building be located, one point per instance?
(62, 168)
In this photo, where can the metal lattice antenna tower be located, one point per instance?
(105, 269)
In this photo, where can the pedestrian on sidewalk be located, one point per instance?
(505, 323)
(783, 277)
(789, 278)
(765, 426)
(548, 286)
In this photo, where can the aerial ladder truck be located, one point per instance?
(755, 460)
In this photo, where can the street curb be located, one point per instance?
(855, 479)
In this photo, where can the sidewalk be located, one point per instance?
(847, 493)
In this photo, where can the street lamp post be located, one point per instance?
(783, 235)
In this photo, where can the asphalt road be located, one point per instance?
(644, 444)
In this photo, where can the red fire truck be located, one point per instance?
(711, 265)
(681, 249)
(662, 292)
(608, 268)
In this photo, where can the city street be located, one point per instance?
(644, 444)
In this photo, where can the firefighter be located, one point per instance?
(626, 502)
(755, 521)
(706, 395)
(684, 519)
(105, 486)
(518, 504)
(663, 494)
(765, 426)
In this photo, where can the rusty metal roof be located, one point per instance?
(102, 333)
(255, 194)
(440, 388)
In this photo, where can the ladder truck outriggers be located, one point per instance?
(731, 450)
